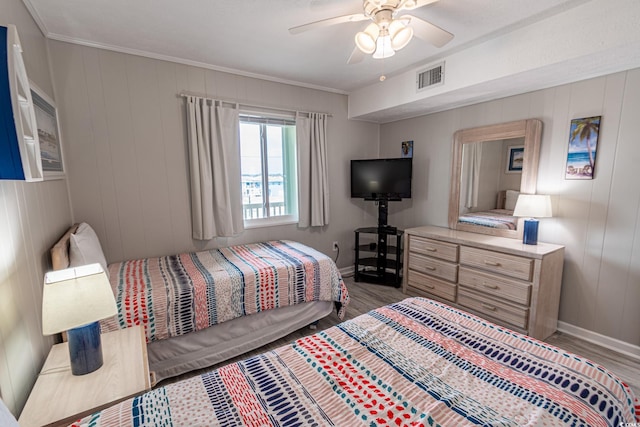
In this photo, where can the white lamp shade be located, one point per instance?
(76, 297)
(366, 40)
(533, 206)
(383, 48)
(400, 34)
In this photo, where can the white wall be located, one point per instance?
(597, 220)
(125, 143)
(32, 217)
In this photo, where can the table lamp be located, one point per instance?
(532, 206)
(73, 300)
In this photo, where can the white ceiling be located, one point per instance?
(251, 37)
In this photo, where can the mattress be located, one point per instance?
(176, 295)
(494, 218)
(416, 362)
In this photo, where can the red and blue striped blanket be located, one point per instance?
(413, 363)
(175, 295)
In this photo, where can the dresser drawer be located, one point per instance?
(431, 285)
(503, 312)
(433, 267)
(509, 265)
(495, 285)
(434, 248)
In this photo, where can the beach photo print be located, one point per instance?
(583, 146)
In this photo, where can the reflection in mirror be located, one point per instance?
(491, 166)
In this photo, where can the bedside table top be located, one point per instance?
(58, 397)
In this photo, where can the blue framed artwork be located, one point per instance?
(515, 158)
(407, 149)
(583, 146)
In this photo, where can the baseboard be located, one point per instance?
(601, 340)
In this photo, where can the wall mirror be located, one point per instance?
(490, 166)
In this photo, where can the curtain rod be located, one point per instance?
(241, 104)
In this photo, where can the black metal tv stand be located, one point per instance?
(384, 263)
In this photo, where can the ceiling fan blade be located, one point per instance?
(429, 32)
(356, 56)
(417, 4)
(327, 22)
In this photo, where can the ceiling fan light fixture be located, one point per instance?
(366, 40)
(400, 34)
(383, 48)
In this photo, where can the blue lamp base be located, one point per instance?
(530, 236)
(85, 348)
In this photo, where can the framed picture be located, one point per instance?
(583, 146)
(407, 149)
(48, 134)
(515, 159)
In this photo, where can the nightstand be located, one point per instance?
(59, 398)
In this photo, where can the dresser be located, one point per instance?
(497, 278)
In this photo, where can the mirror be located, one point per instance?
(486, 164)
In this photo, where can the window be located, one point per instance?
(268, 168)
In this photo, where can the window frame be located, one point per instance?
(265, 119)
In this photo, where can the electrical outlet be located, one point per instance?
(335, 246)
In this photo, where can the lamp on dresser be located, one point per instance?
(532, 206)
(73, 300)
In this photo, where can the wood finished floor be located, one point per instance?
(365, 297)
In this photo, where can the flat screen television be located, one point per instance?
(381, 179)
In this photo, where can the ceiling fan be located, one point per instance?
(389, 32)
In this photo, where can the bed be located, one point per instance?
(417, 362)
(501, 217)
(202, 308)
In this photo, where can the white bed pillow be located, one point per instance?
(85, 248)
(511, 199)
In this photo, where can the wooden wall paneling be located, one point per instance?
(173, 119)
(624, 201)
(116, 92)
(106, 222)
(148, 140)
(225, 86)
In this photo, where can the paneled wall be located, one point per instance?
(127, 153)
(32, 216)
(597, 220)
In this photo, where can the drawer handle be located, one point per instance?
(492, 263)
(430, 268)
(431, 249)
(489, 285)
(429, 286)
(489, 307)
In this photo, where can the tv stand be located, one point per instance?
(386, 258)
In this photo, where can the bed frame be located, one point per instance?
(207, 347)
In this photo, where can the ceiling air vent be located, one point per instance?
(430, 77)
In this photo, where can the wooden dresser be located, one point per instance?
(500, 279)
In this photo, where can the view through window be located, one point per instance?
(268, 168)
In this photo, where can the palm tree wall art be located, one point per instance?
(583, 144)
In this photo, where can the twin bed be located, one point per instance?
(501, 217)
(415, 362)
(202, 308)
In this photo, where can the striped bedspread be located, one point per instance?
(178, 294)
(494, 218)
(413, 363)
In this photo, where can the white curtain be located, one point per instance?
(214, 163)
(313, 181)
(473, 173)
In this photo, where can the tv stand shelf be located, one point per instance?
(384, 265)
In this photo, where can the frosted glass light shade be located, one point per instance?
(400, 34)
(383, 48)
(533, 206)
(76, 297)
(366, 40)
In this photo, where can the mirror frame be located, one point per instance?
(531, 130)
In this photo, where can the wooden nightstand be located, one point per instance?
(59, 398)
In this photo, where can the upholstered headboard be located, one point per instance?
(60, 251)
